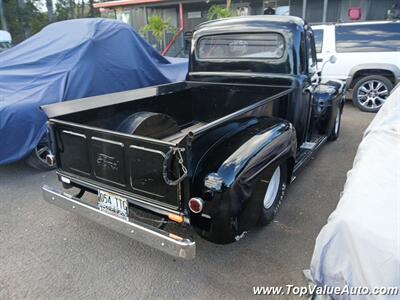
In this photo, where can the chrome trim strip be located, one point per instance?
(74, 133)
(151, 236)
(114, 133)
(148, 150)
(94, 138)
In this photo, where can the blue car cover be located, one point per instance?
(70, 60)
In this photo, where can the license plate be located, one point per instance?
(112, 204)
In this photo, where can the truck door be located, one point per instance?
(311, 82)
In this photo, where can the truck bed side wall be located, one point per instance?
(199, 102)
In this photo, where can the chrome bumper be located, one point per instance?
(151, 236)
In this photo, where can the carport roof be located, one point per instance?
(126, 2)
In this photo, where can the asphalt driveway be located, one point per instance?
(49, 253)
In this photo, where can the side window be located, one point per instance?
(303, 56)
(318, 37)
(311, 55)
(368, 38)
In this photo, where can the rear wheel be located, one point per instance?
(37, 158)
(274, 192)
(334, 134)
(371, 92)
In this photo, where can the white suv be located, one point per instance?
(367, 58)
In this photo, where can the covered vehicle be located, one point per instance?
(360, 244)
(69, 60)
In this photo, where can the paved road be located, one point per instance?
(48, 253)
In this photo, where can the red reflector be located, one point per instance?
(196, 205)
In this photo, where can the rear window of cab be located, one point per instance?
(241, 46)
(368, 37)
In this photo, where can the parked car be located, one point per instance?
(215, 152)
(5, 40)
(352, 251)
(368, 59)
(69, 60)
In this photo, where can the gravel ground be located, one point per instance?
(46, 252)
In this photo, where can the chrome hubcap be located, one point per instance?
(42, 150)
(273, 188)
(372, 94)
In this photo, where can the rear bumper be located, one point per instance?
(151, 236)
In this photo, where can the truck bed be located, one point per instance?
(90, 150)
(191, 104)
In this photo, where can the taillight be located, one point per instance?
(196, 205)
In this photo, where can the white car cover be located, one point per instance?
(360, 244)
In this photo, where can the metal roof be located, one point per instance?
(126, 2)
(255, 21)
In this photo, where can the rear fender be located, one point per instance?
(254, 160)
(269, 142)
(258, 152)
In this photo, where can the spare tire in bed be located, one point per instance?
(149, 124)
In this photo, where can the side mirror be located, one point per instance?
(331, 60)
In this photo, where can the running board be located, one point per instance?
(308, 146)
(306, 152)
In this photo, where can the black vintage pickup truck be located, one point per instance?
(214, 152)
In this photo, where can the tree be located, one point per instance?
(219, 12)
(157, 27)
(91, 9)
(228, 4)
(62, 10)
(72, 9)
(23, 18)
(2, 17)
(50, 13)
(82, 12)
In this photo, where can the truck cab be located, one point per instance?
(214, 152)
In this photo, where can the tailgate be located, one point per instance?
(116, 161)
